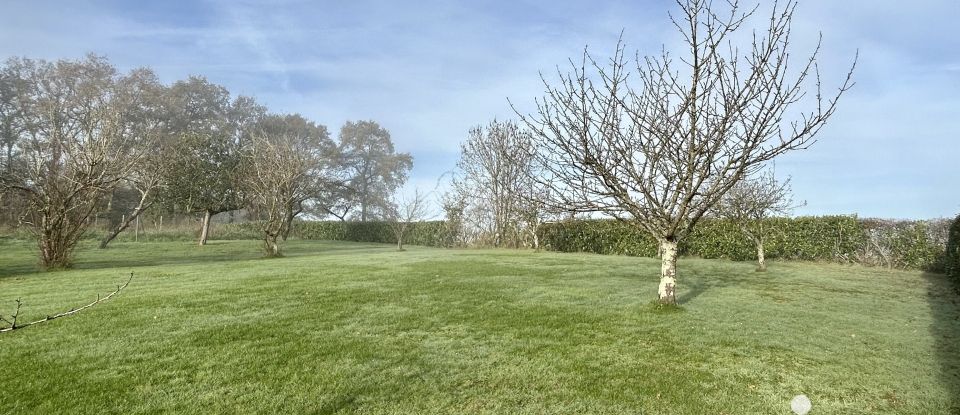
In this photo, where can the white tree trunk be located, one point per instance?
(667, 293)
(761, 259)
(205, 228)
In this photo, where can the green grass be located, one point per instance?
(347, 327)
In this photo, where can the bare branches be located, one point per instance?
(405, 212)
(659, 146)
(494, 182)
(752, 200)
(12, 321)
(373, 170)
(287, 162)
(76, 129)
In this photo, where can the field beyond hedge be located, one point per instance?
(339, 327)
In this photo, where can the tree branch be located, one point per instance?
(12, 322)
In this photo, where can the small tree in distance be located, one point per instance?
(751, 201)
(492, 179)
(286, 162)
(660, 146)
(406, 211)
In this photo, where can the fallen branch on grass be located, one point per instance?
(12, 321)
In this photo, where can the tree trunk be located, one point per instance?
(761, 260)
(288, 225)
(55, 251)
(667, 292)
(142, 205)
(205, 228)
(271, 247)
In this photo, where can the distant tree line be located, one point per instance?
(80, 139)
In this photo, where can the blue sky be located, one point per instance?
(429, 70)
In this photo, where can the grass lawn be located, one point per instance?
(346, 327)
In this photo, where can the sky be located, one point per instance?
(430, 70)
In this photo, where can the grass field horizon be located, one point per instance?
(341, 327)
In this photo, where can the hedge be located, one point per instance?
(951, 258)
(433, 233)
(424, 233)
(896, 244)
(930, 245)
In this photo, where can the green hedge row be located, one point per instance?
(222, 231)
(434, 233)
(926, 245)
(803, 238)
(900, 244)
(951, 258)
(423, 233)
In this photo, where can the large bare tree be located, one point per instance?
(751, 201)
(660, 146)
(287, 162)
(373, 169)
(11, 85)
(211, 132)
(145, 100)
(75, 144)
(502, 205)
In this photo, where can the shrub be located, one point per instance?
(905, 244)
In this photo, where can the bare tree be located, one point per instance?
(145, 101)
(660, 149)
(495, 165)
(12, 84)
(751, 201)
(210, 130)
(337, 200)
(285, 164)
(75, 145)
(373, 169)
(533, 210)
(405, 213)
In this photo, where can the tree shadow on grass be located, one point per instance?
(943, 296)
(693, 284)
